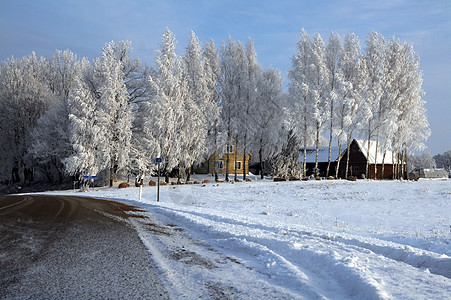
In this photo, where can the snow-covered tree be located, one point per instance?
(200, 106)
(60, 72)
(212, 71)
(252, 77)
(267, 117)
(423, 161)
(24, 97)
(443, 160)
(375, 65)
(352, 112)
(232, 91)
(318, 89)
(88, 156)
(50, 138)
(166, 111)
(413, 128)
(114, 113)
(299, 111)
(286, 163)
(334, 89)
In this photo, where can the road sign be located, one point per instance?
(89, 177)
(158, 160)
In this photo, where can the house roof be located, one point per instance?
(371, 155)
(323, 154)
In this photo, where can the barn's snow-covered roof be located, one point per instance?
(371, 155)
(323, 154)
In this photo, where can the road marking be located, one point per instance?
(16, 203)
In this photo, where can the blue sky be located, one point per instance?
(85, 26)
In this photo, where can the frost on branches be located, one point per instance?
(113, 116)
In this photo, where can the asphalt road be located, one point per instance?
(74, 248)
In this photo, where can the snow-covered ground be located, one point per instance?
(316, 239)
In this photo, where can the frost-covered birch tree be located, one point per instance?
(212, 70)
(300, 109)
(201, 107)
(351, 111)
(231, 93)
(252, 76)
(166, 110)
(267, 117)
(114, 113)
(318, 89)
(413, 126)
(334, 89)
(375, 65)
(88, 156)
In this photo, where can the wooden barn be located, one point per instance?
(358, 157)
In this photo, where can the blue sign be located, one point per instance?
(90, 177)
(158, 160)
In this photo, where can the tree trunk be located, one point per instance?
(375, 154)
(317, 149)
(378, 126)
(111, 172)
(383, 162)
(261, 162)
(244, 164)
(304, 167)
(340, 142)
(393, 165)
(236, 154)
(338, 160)
(214, 153)
(166, 173)
(347, 156)
(402, 162)
(179, 175)
(330, 136)
(188, 176)
(227, 163)
(407, 162)
(367, 171)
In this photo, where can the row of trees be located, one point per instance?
(427, 161)
(68, 116)
(338, 90)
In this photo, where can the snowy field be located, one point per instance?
(297, 240)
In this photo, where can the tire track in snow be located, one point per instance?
(345, 260)
(312, 280)
(435, 263)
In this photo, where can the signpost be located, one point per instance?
(158, 161)
(140, 189)
(87, 179)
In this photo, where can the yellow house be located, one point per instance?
(219, 163)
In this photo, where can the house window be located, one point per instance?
(219, 164)
(230, 148)
(354, 147)
(239, 165)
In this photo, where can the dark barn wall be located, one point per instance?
(357, 162)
